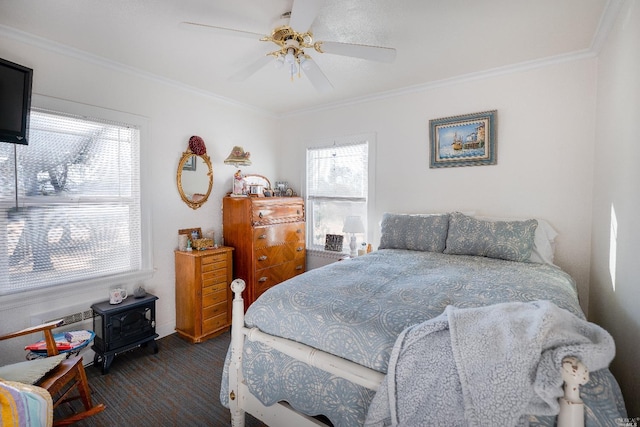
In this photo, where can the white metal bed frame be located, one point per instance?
(241, 401)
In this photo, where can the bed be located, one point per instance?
(336, 327)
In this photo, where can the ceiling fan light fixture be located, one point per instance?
(289, 58)
(304, 62)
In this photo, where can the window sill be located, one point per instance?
(326, 254)
(70, 291)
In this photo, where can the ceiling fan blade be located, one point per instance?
(372, 53)
(211, 29)
(303, 14)
(316, 76)
(250, 69)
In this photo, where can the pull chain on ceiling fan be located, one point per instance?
(292, 44)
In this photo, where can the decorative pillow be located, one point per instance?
(510, 240)
(544, 246)
(31, 371)
(414, 232)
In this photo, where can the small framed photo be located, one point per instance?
(333, 242)
(465, 140)
(280, 188)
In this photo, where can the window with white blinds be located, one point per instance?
(71, 202)
(337, 187)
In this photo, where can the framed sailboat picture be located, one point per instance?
(465, 140)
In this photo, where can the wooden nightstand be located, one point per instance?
(203, 296)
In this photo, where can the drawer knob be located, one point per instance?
(262, 279)
(298, 267)
(262, 258)
(260, 215)
(299, 249)
(298, 212)
(262, 236)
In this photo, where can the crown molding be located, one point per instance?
(59, 48)
(510, 69)
(607, 21)
(606, 24)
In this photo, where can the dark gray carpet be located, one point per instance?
(178, 386)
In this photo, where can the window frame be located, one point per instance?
(370, 138)
(41, 102)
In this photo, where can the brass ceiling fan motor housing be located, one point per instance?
(286, 37)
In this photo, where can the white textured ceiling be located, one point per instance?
(435, 40)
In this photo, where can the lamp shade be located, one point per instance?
(238, 157)
(353, 224)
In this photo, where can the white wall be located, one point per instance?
(615, 304)
(173, 114)
(544, 145)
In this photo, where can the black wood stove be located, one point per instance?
(123, 327)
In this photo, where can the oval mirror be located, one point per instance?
(195, 179)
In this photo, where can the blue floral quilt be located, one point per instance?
(356, 309)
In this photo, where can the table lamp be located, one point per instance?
(353, 225)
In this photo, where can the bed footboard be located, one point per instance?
(574, 374)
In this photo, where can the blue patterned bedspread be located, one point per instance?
(356, 308)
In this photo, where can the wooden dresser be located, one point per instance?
(268, 234)
(203, 295)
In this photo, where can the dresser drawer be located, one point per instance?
(278, 234)
(265, 279)
(295, 267)
(268, 277)
(269, 256)
(275, 213)
(274, 255)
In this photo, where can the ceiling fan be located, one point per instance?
(291, 45)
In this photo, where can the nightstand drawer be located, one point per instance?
(213, 277)
(213, 323)
(214, 310)
(214, 294)
(213, 263)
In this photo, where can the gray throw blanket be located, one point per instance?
(486, 366)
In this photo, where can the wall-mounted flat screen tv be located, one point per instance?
(15, 102)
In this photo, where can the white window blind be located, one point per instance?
(337, 187)
(72, 212)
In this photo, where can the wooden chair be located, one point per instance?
(63, 379)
